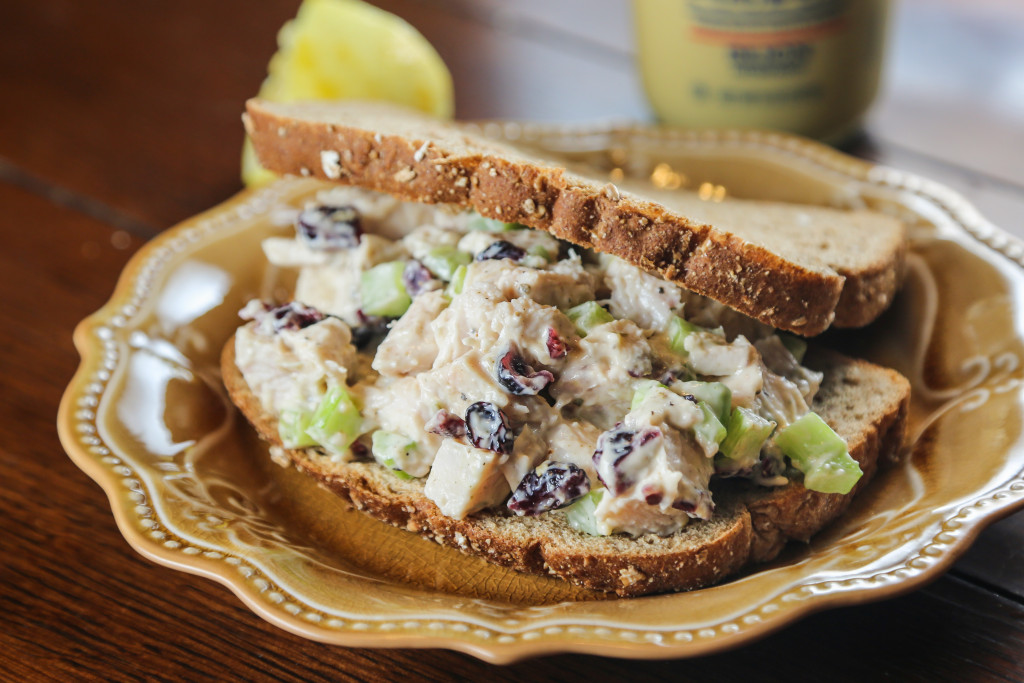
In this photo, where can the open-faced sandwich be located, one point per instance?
(555, 373)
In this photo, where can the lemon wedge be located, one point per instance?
(343, 49)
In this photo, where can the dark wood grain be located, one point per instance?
(120, 119)
(109, 95)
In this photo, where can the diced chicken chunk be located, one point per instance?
(400, 406)
(410, 346)
(333, 286)
(646, 299)
(455, 386)
(655, 473)
(601, 374)
(778, 359)
(465, 479)
(426, 238)
(292, 369)
(735, 364)
(552, 287)
(528, 452)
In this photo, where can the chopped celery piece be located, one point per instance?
(478, 222)
(709, 431)
(747, 432)
(820, 454)
(292, 426)
(538, 250)
(716, 394)
(455, 284)
(678, 331)
(336, 422)
(382, 290)
(587, 316)
(391, 450)
(643, 388)
(580, 514)
(444, 261)
(795, 345)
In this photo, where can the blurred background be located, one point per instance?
(98, 93)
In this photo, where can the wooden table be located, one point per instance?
(121, 118)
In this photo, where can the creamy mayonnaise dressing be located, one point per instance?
(550, 391)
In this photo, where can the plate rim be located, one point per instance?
(497, 648)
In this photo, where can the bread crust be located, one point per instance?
(751, 524)
(427, 161)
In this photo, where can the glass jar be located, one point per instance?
(805, 66)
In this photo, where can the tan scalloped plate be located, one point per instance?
(192, 488)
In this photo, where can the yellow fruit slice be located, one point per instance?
(342, 49)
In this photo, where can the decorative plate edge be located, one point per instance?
(118, 480)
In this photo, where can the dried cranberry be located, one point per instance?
(446, 424)
(417, 279)
(647, 436)
(501, 249)
(290, 316)
(519, 378)
(488, 428)
(555, 344)
(551, 486)
(652, 495)
(359, 450)
(329, 228)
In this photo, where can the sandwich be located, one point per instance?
(604, 383)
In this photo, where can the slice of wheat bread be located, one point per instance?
(792, 267)
(865, 403)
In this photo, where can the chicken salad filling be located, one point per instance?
(509, 370)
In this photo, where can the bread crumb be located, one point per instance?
(377, 138)
(629, 576)
(279, 457)
(460, 181)
(281, 131)
(405, 175)
(611, 192)
(529, 206)
(305, 172)
(421, 152)
(331, 163)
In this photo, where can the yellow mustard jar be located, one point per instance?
(805, 66)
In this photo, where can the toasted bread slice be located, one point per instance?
(866, 404)
(797, 268)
